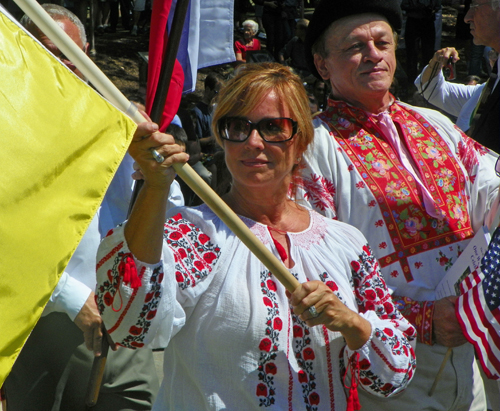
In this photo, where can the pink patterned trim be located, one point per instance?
(310, 237)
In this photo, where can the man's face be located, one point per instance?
(484, 23)
(361, 60)
(72, 31)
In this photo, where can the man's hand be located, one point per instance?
(89, 321)
(440, 58)
(447, 331)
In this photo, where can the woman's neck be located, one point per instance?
(276, 211)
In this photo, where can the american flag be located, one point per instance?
(478, 309)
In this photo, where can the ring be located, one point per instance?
(157, 156)
(312, 310)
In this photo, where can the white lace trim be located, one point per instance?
(312, 235)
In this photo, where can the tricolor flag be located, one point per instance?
(478, 309)
(61, 145)
(207, 38)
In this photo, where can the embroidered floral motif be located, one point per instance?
(369, 379)
(195, 255)
(370, 294)
(149, 309)
(468, 151)
(332, 285)
(269, 344)
(319, 190)
(444, 261)
(418, 313)
(398, 195)
(108, 292)
(305, 356)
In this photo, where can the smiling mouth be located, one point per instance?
(254, 163)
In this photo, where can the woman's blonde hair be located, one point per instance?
(247, 89)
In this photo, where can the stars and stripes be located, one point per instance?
(478, 309)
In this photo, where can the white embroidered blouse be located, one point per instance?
(232, 342)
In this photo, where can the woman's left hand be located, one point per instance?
(315, 303)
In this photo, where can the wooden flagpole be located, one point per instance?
(195, 182)
(88, 68)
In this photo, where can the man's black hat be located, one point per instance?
(329, 11)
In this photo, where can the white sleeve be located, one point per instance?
(68, 297)
(445, 95)
(175, 197)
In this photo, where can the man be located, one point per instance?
(419, 30)
(293, 52)
(484, 20)
(203, 113)
(456, 99)
(415, 186)
(53, 368)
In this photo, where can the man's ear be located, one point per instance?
(86, 48)
(320, 64)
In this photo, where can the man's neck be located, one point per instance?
(374, 105)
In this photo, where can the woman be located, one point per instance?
(249, 42)
(234, 338)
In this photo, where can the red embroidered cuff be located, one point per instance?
(419, 314)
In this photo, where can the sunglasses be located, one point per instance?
(497, 167)
(272, 130)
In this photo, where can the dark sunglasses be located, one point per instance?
(272, 130)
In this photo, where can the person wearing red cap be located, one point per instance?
(416, 187)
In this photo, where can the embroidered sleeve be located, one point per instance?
(387, 361)
(419, 314)
(142, 302)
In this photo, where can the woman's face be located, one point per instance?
(247, 32)
(257, 163)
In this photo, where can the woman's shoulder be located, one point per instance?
(341, 231)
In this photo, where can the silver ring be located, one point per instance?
(157, 156)
(312, 310)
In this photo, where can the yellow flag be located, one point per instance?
(60, 145)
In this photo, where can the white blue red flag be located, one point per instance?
(478, 309)
(207, 38)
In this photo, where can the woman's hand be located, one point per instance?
(144, 228)
(330, 311)
(147, 138)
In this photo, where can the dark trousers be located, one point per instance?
(273, 23)
(418, 31)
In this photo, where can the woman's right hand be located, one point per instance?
(144, 228)
(147, 138)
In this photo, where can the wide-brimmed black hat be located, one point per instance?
(329, 11)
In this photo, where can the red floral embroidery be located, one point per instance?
(194, 253)
(319, 191)
(399, 198)
(371, 293)
(268, 345)
(305, 358)
(468, 152)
